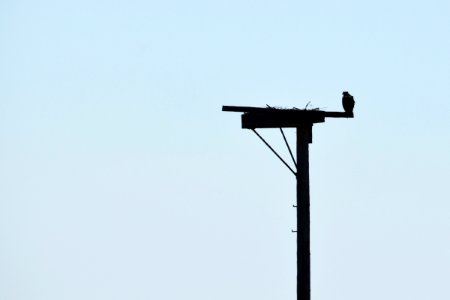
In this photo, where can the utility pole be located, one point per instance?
(303, 214)
(302, 120)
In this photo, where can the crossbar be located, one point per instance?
(288, 111)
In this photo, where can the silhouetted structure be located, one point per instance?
(303, 120)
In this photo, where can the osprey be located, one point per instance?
(347, 102)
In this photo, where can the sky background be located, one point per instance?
(121, 178)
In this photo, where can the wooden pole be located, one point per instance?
(304, 137)
(303, 120)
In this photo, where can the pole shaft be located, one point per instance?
(304, 137)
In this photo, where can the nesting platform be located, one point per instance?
(269, 117)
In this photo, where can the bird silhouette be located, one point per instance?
(348, 102)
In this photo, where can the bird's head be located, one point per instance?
(345, 93)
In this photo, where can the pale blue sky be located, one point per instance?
(120, 177)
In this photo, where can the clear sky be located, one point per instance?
(120, 177)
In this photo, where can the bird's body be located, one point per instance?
(348, 102)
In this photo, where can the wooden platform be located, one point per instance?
(259, 117)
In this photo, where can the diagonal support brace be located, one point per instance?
(282, 160)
